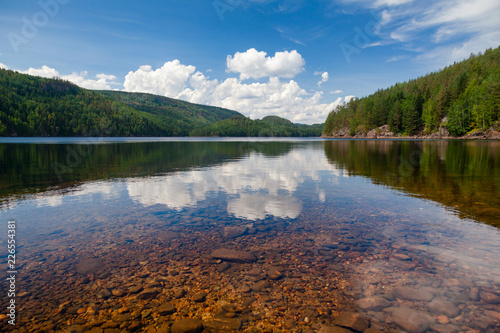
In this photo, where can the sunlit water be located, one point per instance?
(404, 233)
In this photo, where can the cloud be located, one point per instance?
(2, 66)
(258, 206)
(443, 27)
(396, 58)
(100, 84)
(255, 100)
(347, 99)
(324, 78)
(255, 186)
(79, 79)
(253, 64)
(275, 96)
(168, 80)
(447, 19)
(444, 55)
(44, 71)
(390, 3)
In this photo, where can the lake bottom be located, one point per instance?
(332, 269)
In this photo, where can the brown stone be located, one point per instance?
(274, 274)
(89, 266)
(489, 298)
(199, 297)
(443, 307)
(189, 325)
(166, 309)
(333, 329)
(234, 255)
(413, 294)
(234, 232)
(147, 294)
(220, 325)
(373, 303)
(412, 321)
(261, 285)
(352, 320)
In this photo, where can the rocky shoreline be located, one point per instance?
(383, 132)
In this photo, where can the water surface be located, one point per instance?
(110, 230)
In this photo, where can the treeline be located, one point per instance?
(183, 116)
(270, 126)
(460, 98)
(35, 106)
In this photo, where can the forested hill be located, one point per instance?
(461, 99)
(34, 106)
(183, 112)
(270, 126)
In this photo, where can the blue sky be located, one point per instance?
(292, 58)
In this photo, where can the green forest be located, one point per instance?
(460, 99)
(270, 126)
(35, 106)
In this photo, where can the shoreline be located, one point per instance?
(413, 137)
(384, 133)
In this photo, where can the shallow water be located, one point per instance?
(404, 233)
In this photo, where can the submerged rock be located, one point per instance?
(189, 325)
(412, 321)
(89, 266)
(261, 285)
(444, 307)
(166, 309)
(412, 294)
(333, 329)
(274, 274)
(352, 320)
(234, 232)
(199, 297)
(234, 255)
(489, 297)
(373, 303)
(216, 325)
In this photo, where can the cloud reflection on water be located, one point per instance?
(255, 186)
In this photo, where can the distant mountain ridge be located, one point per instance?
(461, 100)
(270, 126)
(36, 106)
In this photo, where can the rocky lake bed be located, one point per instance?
(205, 274)
(288, 237)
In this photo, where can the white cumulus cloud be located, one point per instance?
(103, 81)
(347, 99)
(324, 78)
(284, 98)
(2, 66)
(168, 80)
(277, 95)
(253, 64)
(44, 71)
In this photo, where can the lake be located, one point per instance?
(263, 235)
